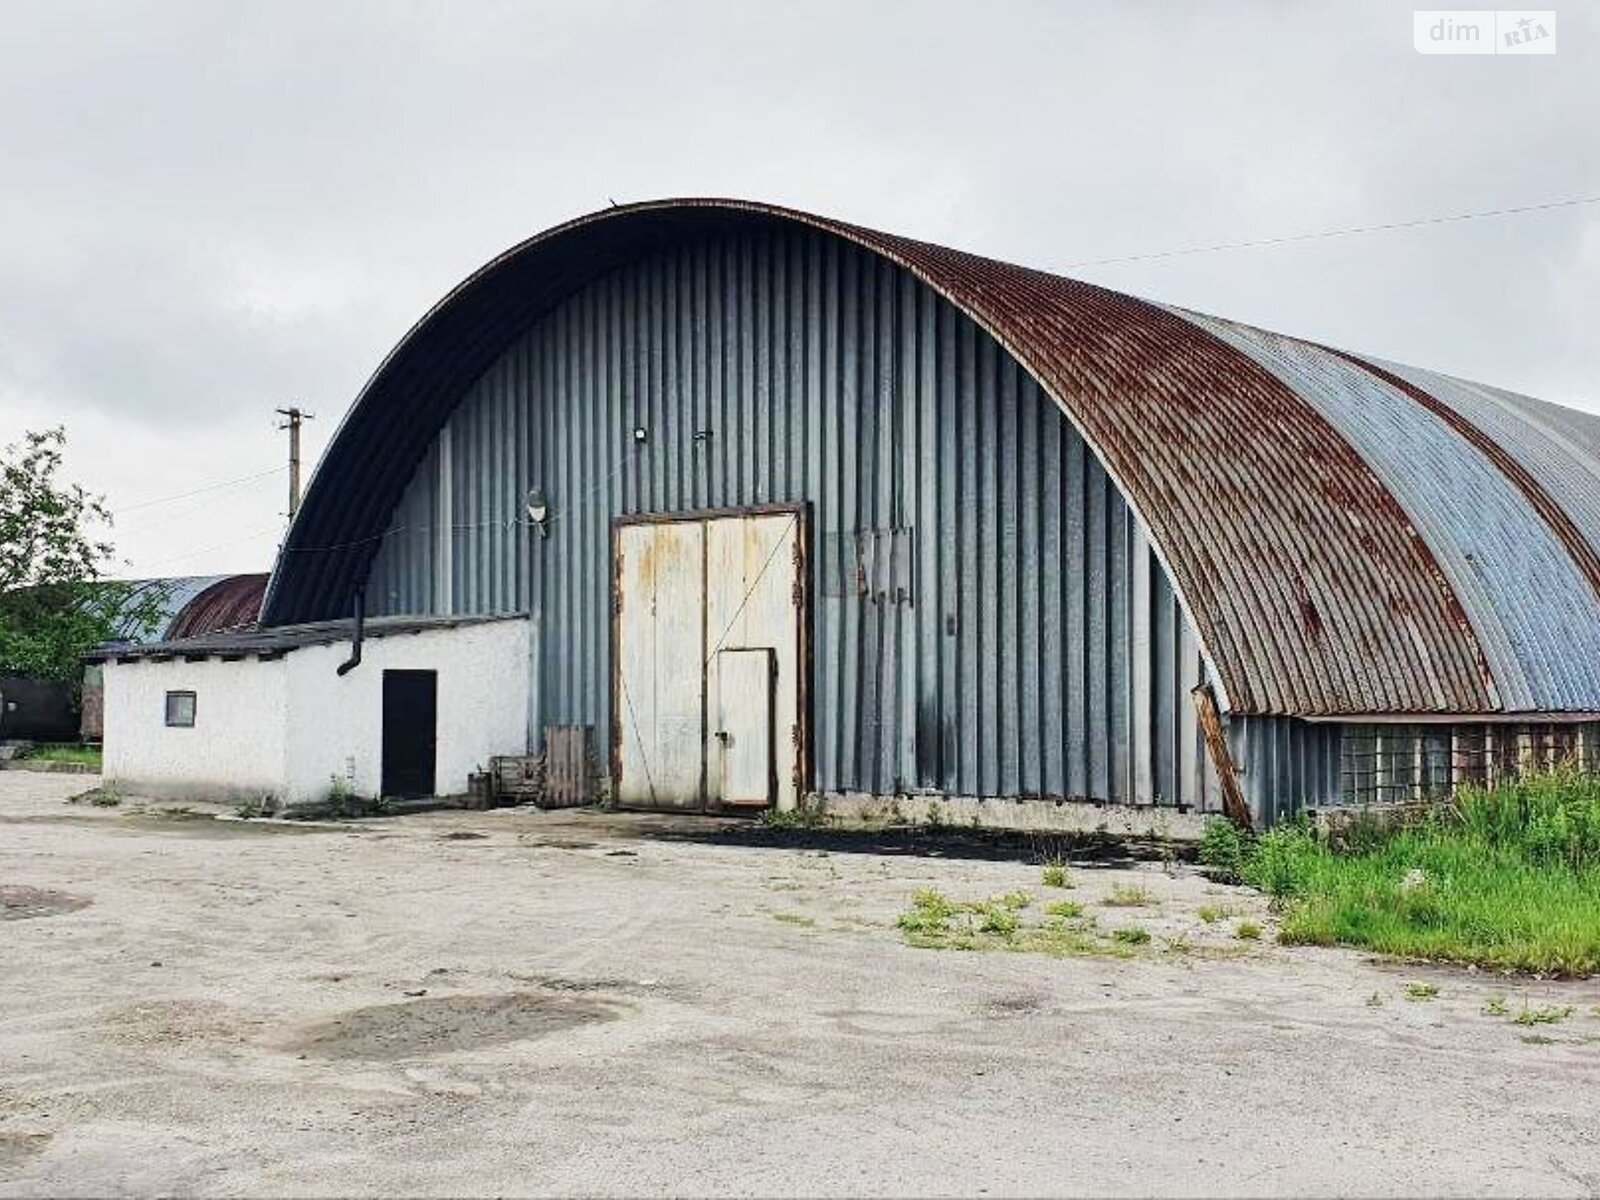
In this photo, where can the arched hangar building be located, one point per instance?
(777, 506)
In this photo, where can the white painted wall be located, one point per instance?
(235, 749)
(289, 726)
(335, 724)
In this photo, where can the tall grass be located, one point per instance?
(85, 755)
(1506, 878)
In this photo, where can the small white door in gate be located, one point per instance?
(742, 735)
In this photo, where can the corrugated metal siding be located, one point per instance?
(1310, 592)
(1285, 765)
(1532, 432)
(231, 603)
(1534, 613)
(1041, 650)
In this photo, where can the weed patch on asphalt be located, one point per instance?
(1129, 895)
(1056, 875)
(1062, 929)
(1553, 1015)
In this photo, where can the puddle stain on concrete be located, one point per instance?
(17, 1148)
(22, 903)
(441, 1024)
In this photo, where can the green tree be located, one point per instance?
(54, 603)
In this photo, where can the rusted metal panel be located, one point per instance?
(660, 668)
(233, 602)
(1210, 450)
(1530, 605)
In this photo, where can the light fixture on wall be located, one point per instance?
(641, 434)
(539, 511)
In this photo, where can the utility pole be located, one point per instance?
(295, 418)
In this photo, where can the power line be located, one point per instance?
(1347, 231)
(199, 491)
(238, 541)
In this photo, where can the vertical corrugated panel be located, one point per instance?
(1285, 765)
(1038, 649)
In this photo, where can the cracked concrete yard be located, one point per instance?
(539, 1003)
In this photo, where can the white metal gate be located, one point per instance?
(708, 703)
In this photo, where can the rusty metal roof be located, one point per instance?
(232, 602)
(1347, 537)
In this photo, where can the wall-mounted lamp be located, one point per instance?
(703, 435)
(641, 434)
(539, 511)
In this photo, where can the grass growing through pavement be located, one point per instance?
(1006, 922)
(1067, 910)
(1553, 1015)
(1508, 879)
(1056, 875)
(1129, 896)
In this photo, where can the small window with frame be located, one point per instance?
(180, 710)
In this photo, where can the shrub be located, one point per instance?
(1222, 848)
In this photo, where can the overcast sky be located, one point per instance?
(209, 210)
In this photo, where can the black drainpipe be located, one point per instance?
(354, 661)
